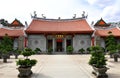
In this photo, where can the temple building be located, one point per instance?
(15, 30)
(102, 30)
(59, 33)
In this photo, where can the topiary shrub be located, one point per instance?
(69, 50)
(50, 50)
(37, 50)
(97, 58)
(26, 64)
(81, 50)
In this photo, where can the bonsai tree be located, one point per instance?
(69, 49)
(26, 64)
(37, 50)
(118, 48)
(81, 50)
(111, 44)
(50, 50)
(88, 50)
(0, 54)
(98, 62)
(17, 53)
(6, 46)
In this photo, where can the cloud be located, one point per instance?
(112, 13)
(91, 1)
(21, 9)
(100, 3)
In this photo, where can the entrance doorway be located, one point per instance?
(69, 42)
(50, 44)
(59, 45)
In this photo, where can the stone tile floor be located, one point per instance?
(59, 66)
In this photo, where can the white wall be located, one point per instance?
(15, 43)
(81, 41)
(37, 41)
(102, 42)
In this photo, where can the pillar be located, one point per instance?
(53, 44)
(92, 41)
(65, 44)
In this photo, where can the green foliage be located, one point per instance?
(50, 50)
(17, 52)
(37, 50)
(26, 62)
(118, 46)
(69, 49)
(4, 22)
(97, 58)
(81, 50)
(111, 44)
(6, 44)
(27, 52)
(88, 49)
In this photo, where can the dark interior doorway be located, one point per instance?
(69, 42)
(59, 45)
(50, 43)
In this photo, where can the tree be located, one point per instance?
(4, 22)
(111, 46)
(6, 46)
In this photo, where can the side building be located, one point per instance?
(58, 34)
(102, 30)
(15, 30)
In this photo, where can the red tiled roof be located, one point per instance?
(101, 23)
(104, 33)
(11, 33)
(16, 23)
(59, 26)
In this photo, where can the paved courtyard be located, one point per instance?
(59, 66)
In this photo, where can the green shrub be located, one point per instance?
(37, 50)
(50, 51)
(81, 50)
(27, 52)
(69, 49)
(26, 63)
(97, 58)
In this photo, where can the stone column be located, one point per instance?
(21, 43)
(53, 45)
(65, 44)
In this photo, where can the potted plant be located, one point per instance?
(26, 64)
(50, 50)
(110, 44)
(88, 50)
(81, 51)
(98, 62)
(112, 47)
(6, 46)
(69, 50)
(16, 53)
(0, 54)
(37, 50)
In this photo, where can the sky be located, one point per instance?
(95, 9)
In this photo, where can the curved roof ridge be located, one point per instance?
(7, 28)
(48, 19)
(100, 28)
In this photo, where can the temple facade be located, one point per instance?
(58, 34)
